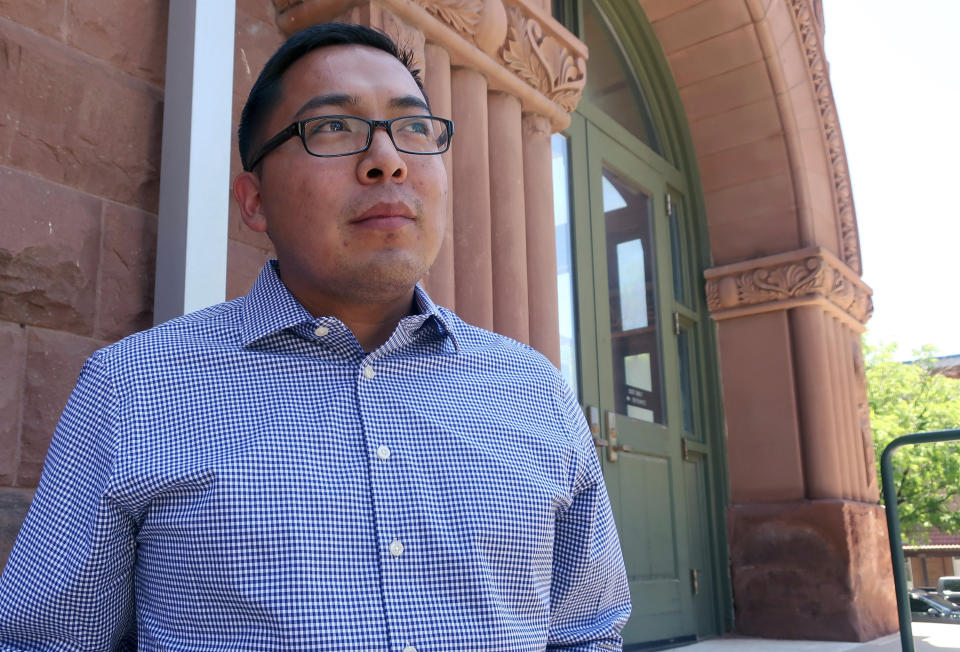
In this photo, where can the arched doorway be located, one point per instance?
(636, 339)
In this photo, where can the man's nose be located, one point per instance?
(381, 160)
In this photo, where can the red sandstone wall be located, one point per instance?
(80, 117)
(81, 114)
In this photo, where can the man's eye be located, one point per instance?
(416, 127)
(328, 126)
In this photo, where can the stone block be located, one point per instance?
(660, 9)
(243, 266)
(54, 360)
(255, 41)
(761, 414)
(700, 22)
(262, 10)
(736, 127)
(48, 254)
(127, 271)
(43, 16)
(130, 35)
(715, 56)
(745, 85)
(743, 225)
(759, 159)
(79, 122)
(13, 351)
(14, 504)
(816, 570)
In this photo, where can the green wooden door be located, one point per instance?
(639, 352)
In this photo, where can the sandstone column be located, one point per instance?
(821, 466)
(541, 250)
(508, 234)
(471, 204)
(440, 280)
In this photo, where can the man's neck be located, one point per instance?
(372, 322)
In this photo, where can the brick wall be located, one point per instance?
(81, 114)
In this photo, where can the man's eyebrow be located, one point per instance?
(409, 102)
(345, 101)
(329, 99)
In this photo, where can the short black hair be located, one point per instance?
(266, 90)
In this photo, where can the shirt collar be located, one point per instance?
(269, 307)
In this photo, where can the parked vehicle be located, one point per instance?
(932, 608)
(949, 587)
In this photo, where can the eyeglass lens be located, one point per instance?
(343, 134)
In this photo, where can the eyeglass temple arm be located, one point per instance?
(275, 142)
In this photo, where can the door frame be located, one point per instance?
(678, 165)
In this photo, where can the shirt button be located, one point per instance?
(369, 373)
(320, 331)
(396, 548)
(409, 648)
(383, 452)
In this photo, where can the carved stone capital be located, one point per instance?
(808, 17)
(783, 281)
(483, 22)
(542, 60)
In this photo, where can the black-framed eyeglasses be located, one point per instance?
(343, 135)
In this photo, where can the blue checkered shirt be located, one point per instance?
(248, 478)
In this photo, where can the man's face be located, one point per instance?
(363, 227)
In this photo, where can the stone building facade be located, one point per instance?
(724, 380)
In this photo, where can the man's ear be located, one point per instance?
(246, 190)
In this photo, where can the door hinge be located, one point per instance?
(695, 580)
(684, 451)
(676, 323)
(669, 204)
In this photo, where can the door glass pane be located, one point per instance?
(633, 307)
(562, 226)
(611, 85)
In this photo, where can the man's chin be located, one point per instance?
(383, 282)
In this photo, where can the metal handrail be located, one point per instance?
(893, 524)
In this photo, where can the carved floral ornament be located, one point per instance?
(779, 283)
(461, 15)
(542, 61)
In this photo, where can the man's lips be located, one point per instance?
(385, 216)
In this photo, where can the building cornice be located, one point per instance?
(803, 277)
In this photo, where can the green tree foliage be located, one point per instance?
(907, 398)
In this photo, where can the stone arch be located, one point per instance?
(752, 77)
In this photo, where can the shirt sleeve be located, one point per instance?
(68, 582)
(589, 594)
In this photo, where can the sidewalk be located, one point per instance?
(927, 637)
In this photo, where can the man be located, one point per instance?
(331, 462)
